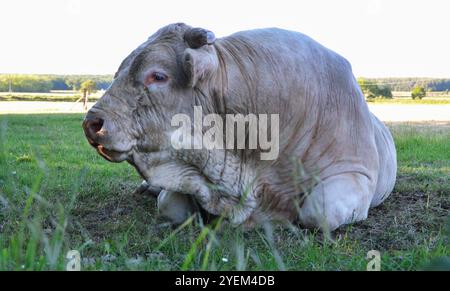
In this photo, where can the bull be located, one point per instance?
(336, 160)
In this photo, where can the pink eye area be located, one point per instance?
(155, 77)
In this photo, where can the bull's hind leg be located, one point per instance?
(337, 200)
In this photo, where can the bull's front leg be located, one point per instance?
(147, 190)
(176, 207)
(186, 180)
(178, 179)
(160, 170)
(173, 206)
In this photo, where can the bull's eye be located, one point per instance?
(155, 77)
(159, 77)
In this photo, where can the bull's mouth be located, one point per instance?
(109, 154)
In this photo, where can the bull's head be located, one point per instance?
(156, 81)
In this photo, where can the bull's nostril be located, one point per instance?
(92, 126)
(96, 125)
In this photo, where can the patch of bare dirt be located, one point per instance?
(404, 220)
(102, 219)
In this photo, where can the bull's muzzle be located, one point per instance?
(97, 136)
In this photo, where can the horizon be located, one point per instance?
(422, 78)
(381, 39)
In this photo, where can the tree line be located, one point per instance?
(46, 83)
(371, 87)
(408, 84)
(383, 87)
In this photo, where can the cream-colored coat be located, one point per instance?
(336, 159)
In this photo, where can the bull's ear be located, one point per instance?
(200, 58)
(199, 64)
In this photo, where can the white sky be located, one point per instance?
(379, 37)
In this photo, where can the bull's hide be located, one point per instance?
(332, 161)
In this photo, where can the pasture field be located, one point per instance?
(57, 194)
(54, 96)
(437, 98)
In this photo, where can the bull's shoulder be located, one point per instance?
(272, 35)
(289, 43)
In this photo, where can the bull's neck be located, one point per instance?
(233, 85)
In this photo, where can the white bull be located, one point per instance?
(335, 161)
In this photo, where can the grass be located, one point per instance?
(57, 194)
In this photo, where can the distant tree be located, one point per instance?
(366, 87)
(87, 87)
(372, 90)
(73, 83)
(418, 92)
(384, 92)
(58, 83)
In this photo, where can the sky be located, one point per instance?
(381, 38)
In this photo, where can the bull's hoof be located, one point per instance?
(147, 190)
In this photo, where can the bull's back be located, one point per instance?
(311, 68)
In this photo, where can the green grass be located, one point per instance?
(57, 194)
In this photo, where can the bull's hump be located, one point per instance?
(275, 35)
